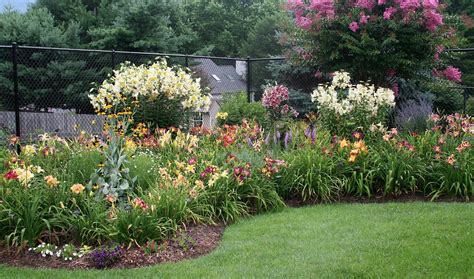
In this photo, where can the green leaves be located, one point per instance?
(113, 178)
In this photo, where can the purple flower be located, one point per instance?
(310, 133)
(313, 135)
(249, 142)
(105, 256)
(287, 139)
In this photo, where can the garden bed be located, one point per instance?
(135, 186)
(191, 242)
(198, 240)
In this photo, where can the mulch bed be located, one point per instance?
(205, 239)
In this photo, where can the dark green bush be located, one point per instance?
(447, 98)
(237, 108)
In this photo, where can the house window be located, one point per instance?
(197, 119)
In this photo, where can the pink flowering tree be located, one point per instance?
(376, 40)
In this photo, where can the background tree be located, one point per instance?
(47, 78)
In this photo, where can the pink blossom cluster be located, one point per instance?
(354, 26)
(409, 5)
(364, 19)
(306, 15)
(365, 4)
(303, 22)
(433, 19)
(294, 4)
(453, 74)
(430, 4)
(274, 96)
(439, 50)
(325, 8)
(389, 12)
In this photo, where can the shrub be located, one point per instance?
(236, 107)
(447, 99)
(372, 40)
(132, 84)
(301, 102)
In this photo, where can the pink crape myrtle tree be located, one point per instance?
(373, 40)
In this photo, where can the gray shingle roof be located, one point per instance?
(230, 81)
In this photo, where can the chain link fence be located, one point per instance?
(53, 84)
(45, 90)
(463, 59)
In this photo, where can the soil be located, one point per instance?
(202, 239)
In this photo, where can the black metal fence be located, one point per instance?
(463, 58)
(45, 90)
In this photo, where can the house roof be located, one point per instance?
(222, 78)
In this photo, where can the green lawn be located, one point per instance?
(351, 240)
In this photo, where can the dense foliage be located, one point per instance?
(218, 176)
(372, 40)
(222, 28)
(235, 107)
(238, 28)
(133, 184)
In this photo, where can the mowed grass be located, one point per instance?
(422, 240)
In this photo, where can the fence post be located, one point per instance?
(16, 91)
(464, 106)
(113, 59)
(186, 60)
(249, 82)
